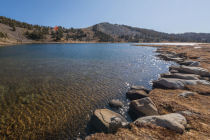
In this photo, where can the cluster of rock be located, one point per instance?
(145, 111)
(181, 76)
(143, 108)
(172, 56)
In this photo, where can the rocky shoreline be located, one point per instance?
(167, 111)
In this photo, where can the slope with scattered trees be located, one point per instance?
(12, 31)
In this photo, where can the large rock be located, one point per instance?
(174, 71)
(191, 70)
(173, 121)
(190, 63)
(136, 94)
(139, 88)
(115, 103)
(107, 121)
(143, 107)
(181, 76)
(173, 83)
(171, 57)
(186, 94)
(205, 78)
(186, 113)
(177, 59)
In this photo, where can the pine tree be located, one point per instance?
(58, 34)
(13, 28)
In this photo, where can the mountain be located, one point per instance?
(12, 31)
(128, 33)
(134, 34)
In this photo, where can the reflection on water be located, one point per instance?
(50, 91)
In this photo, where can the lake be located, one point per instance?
(49, 91)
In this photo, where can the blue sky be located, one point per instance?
(172, 16)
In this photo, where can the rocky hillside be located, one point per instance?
(13, 32)
(133, 34)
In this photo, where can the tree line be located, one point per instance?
(37, 32)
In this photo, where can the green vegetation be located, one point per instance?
(3, 35)
(45, 30)
(11, 23)
(76, 34)
(104, 32)
(68, 36)
(13, 28)
(57, 35)
(38, 33)
(14, 23)
(35, 35)
(102, 36)
(35, 32)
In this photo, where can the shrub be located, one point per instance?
(35, 35)
(3, 35)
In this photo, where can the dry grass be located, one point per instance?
(201, 54)
(169, 101)
(201, 89)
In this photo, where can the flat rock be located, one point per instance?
(187, 94)
(205, 78)
(139, 88)
(194, 57)
(173, 121)
(115, 103)
(186, 113)
(177, 59)
(190, 63)
(173, 71)
(143, 107)
(136, 94)
(171, 57)
(173, 83)
(191, 70)
(181, 76)
(107, 121)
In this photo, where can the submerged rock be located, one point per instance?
(173, 83)
(181, 76)
(115, 103)
(107, 121)
(191, 70)
(136, 94)
(143, 107)
(173, 121)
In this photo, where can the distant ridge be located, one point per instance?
(134, 34)
(12, 31)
